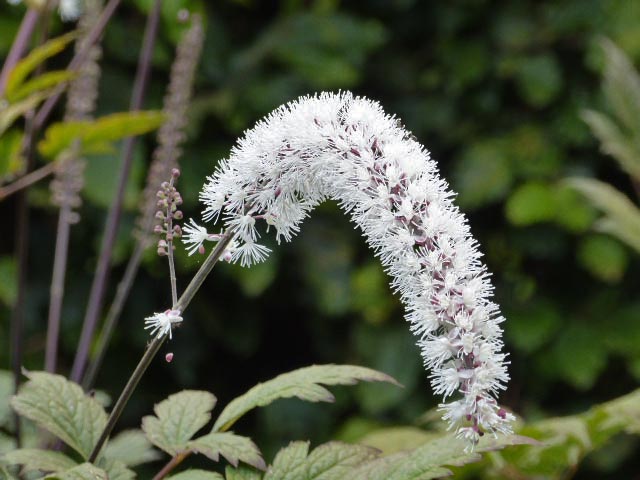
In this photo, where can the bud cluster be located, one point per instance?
(169, 199)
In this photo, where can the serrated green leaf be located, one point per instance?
(29, 63)
(289, 462)
(614, 142)
(85, 471)
(35, 459)
(394, 439)
(431, 459)
(303, 383)
(622, 86)
(132, 448)
(96, 135)
(196, 474)
(177, 419)
(61, 407)
(45, 81)
(242, 472)
(621, 217)
(116, 470)
(233, 447)
(330, 461)
(9, 114)
(12, 162)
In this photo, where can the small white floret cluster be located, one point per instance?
(347, 149)
(69, 10)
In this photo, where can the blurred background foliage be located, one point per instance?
(494, 88)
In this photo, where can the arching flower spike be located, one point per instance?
(347, 149)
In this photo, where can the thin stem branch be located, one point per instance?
(113, 219)
(154, 346)
(77, 61)
(19, 46)
(57, 287)
(172, 274)
(27, 180)
(124, 287)
(171, 464)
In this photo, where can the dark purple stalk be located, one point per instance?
(113, 219)
(57, 287)
(19, 46)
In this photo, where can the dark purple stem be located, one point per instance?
(113, 219)
(57, 288)
(19, 46)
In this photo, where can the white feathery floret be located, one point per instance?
(345, 148)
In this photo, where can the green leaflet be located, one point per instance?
(303, 383)
(132, 448)
(28, 64)
(85, 471)
(35, 459)
(231, 446)
(95, 136)
(196, 474)
(9, 114)
(242, 472)
(177, 419)
(431, 459)
(46, 81)
(61, 407)
(330, 461)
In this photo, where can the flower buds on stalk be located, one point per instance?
(169, 200)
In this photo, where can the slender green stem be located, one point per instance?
(182, 303)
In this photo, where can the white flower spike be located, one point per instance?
(347, 149)
(162, 322)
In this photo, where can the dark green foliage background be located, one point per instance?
(493, 88)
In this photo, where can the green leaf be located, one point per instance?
(303, 383)
(622, 86)
(621, 217)
(431, 459)
(395, 439)
(604, 257)
(196, 474)
(242, 472)
(12, 163)
(132, 448)
(330, 461)
(231, 446)
(29, 63)
(9, 114)
(35, 459)
(45, 81)
(116, 470)
(177, 419)
(61, 407)
(96, 135)
(85, 471)
(614, 142)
